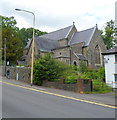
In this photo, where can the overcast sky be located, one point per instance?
(55, 14)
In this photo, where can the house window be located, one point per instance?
(68, 61)
(115, 58)
(115, 77)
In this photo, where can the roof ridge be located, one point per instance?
(87, 29)
(57, 30)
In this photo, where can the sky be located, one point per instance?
(52, 15)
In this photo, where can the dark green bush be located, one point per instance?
(47, 68)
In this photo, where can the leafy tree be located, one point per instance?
(108, 34)
(14, 46)
(26, 34)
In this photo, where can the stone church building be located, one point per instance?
(70, 46)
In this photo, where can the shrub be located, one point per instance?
(47, 68)
(82, 67)
(71, 78)
(100, 87)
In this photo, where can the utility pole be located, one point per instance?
(5, 57)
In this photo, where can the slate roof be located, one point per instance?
(82, 36)
(49, 41)
(81, 57)
(46, 44)
(111, 51)
(59, 34)
(21, 62)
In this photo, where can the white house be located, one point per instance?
(110, 60)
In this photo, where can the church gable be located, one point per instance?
(95, 48)
(82, 36)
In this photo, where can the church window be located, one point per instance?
(97, 55)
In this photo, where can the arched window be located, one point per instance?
(97, 55)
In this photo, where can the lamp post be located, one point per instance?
(32, 62)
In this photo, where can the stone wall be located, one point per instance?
(57, 85)
(63, 42)
(76, 48)
(18, 73)
(96, 40)
(80, 86)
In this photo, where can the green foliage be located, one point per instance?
(108, 34)
(100, 87)
(14, 46)
(82, 66)
(47, 68)
(26, 34)
(16, 39)
(71, 78)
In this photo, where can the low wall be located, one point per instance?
(69, 87)
(80, 86)
(18, 73)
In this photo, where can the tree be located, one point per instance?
(108, 34)
(14, 46)
(26, 34)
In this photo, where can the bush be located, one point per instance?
(47, 68)
(71, 78)
(82, 67)
(100, 87)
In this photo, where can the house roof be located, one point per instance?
(82, 36)
(49, 41)
(59, 34)
(46, 44)
(81, 57)
(111, 51)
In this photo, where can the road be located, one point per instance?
(21, 102)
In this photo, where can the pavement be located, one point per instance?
(108, 98)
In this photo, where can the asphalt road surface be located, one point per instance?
(19, 102)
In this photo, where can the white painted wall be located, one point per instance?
(116, 14)
(110, 70)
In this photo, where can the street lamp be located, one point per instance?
(32, 62)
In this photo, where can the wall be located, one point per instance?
(96, 40)
(23, 73)
(63, 42)
(73, 30)
(110, 69)
(63, 52)
(80, 86)
(76, 48)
